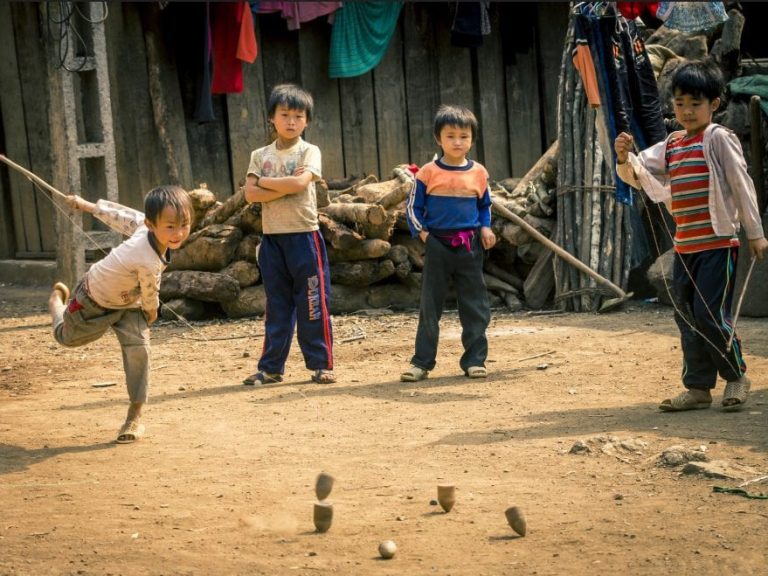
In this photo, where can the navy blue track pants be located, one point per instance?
(297, 283)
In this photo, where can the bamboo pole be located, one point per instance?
(561, 272)
(595, 219)
(578, 181)
(756, 144)
(568, 177)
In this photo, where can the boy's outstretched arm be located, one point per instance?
(118, 217)
(75, 202)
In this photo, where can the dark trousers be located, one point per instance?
(297, 283)
(703, 299)
(441, 265)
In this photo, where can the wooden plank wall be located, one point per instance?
(362, 125)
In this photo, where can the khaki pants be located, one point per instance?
(82, 321)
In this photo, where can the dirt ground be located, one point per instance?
(223, 482)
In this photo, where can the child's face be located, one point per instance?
(170, 229)
(694, 113)
(455, 142)
(289, 122)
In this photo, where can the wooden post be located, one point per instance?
(756, 141)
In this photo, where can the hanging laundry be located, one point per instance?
(691, 17)
(582, 60)
(294, 13)
(297, 12)
(361, 35)
(470, 23)
(632, 10)
(204, 105)
(231, 39)
(623, 75)
(247, 49)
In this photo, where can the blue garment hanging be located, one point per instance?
(360, 36)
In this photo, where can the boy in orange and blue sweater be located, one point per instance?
(449, 209)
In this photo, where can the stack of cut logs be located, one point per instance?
(374, 260)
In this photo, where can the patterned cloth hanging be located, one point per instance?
(691, 17)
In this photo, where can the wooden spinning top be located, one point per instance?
(323, 485)
(446, 496)
(323, 516)
(516, 519)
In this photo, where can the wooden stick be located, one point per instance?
(738, 304)
(536, 355)
(31, 176)
(559, 251)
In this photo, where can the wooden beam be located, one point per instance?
(358, 126)
(391, 119)
(492, 147)
(421, 80)
(325, 128)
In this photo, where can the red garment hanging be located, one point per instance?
(632, 10)
(233, 42)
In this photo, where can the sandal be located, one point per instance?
(130, 432)
(414, 374)
(321, 376)
(476, 372)
(63, 291)
(262, 378)
(689, 400)
(736, 394)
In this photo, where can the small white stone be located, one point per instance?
(387, 549)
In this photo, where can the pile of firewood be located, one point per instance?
(374, 260)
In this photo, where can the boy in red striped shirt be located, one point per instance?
(701, 176)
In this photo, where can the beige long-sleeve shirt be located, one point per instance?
(129, 276)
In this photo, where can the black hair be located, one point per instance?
(451, 115)
(698, 78)
(158, 199)
(292, 96)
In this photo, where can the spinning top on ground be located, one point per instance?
(387, 549)
(323, 485)
(446, 496)
(323, 516)
(516, 519)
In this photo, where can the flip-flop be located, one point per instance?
(262, 378)
(323, 377)
(130, 432)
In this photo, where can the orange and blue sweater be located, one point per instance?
(446, 199)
